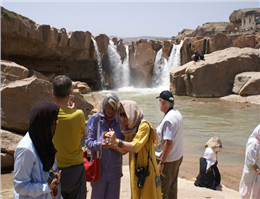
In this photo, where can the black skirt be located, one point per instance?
(208, 178)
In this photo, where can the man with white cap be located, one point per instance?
(169, 152)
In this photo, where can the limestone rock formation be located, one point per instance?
(9, 141)
(141, 58)
(252, 99)
(81, 86)
(11, 71)
(236, 16)
(18, 99)
(214, 77)
(167, 46)
(247, 83)
(121, 49)
(157, 45)
(48, 50)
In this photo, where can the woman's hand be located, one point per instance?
(111, 135)
(105, 145)
(55, 181)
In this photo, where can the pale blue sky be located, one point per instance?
(127, 19)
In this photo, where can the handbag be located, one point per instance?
(92, 168)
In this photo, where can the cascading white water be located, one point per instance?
(158, 69)
(102, 78)
(119, 72)
(126, 69)
(206, 46)
(162, 67)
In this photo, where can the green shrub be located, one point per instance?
(8, 15)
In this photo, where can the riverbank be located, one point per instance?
(186, 188)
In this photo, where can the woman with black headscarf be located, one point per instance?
(35, 156)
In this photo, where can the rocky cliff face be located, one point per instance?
(53, 52)
(48, 50)
(215, 77)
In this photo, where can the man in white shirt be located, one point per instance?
(169, 152)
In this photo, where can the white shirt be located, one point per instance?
(30, 181)
(171, 128)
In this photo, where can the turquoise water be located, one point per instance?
(203, 119)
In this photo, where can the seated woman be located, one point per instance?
(144, 173)
(209, 175)
(35, 156)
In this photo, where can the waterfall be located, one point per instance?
(162, 67)
(120, 72)
(206, 46)
(100, 69)
(158, 69)
(126, 70)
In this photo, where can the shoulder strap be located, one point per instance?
(98, 135)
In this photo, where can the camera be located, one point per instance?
(107, 141)
(141, 173)
(51, 176)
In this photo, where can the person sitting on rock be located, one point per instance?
(201, 56)
(195, 56)
(209, 175)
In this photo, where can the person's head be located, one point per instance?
(214, 143)
(109, 106)
(61, 86)
(131, 114)
(43, 119)
(166, 100)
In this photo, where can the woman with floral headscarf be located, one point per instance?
(250, 182)
(35, 156)
(140, 136)
(108, 185)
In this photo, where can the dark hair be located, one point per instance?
(61, 86)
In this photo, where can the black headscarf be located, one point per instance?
(42, 117)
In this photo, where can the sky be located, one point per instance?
(165, 18)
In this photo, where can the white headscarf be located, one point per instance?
(135, 117)
(209, 155)
(256, 134)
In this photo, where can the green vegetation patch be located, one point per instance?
(8, 15)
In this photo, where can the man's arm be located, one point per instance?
(166, 151)
(168, 136)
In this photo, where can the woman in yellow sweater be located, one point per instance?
(140, 136)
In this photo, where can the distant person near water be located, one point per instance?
(209, 175)
(195, 57)
(169, 152)
(201, 55)
(67, 140)
(250, 182)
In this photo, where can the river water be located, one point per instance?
(203, 119)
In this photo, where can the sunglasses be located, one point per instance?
(122, 114)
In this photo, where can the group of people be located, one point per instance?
(154, 159)
(49, 161)
(198, 56)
